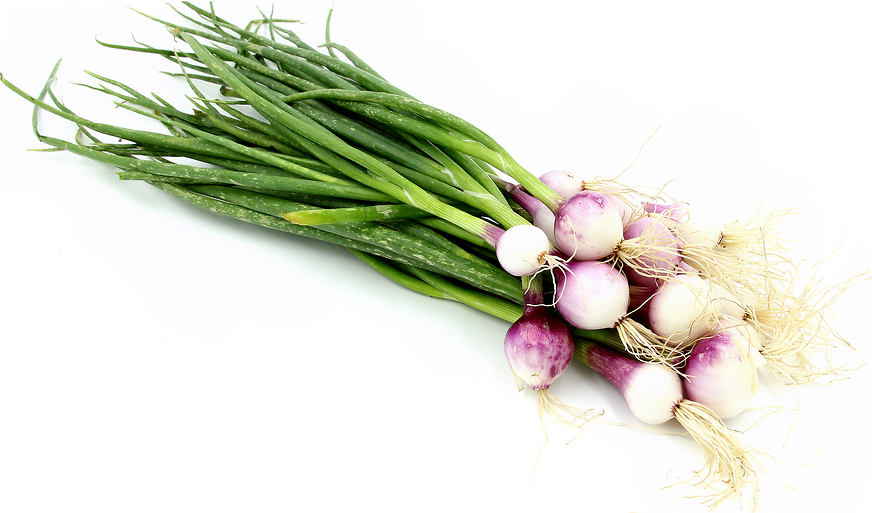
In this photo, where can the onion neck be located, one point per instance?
(614, 367)
(534, 294)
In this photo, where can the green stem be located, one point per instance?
(354, 214)
(333, 64)
(398, 276)
(444, 226)
(484, 198)
(439, 166)
(216, 175)
(418, 251)
(414, 228)
(142, 137)
(470, 297)
(268, 221)
(482, 147)
(257, 154)
(396, 185)
(351, 56)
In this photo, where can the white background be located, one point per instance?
(155, 357)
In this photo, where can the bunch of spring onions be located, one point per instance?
(674, 308)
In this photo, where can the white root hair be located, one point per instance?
(737, 274)
(623, 192)
(652, 245)
(796, 323)
(704, 323)
(757, 234)
(562, 413)
(646, 346)
(730, 466)
(750, 255)
(549, 263)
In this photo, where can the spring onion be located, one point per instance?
(320, 145)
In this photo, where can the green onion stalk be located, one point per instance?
(337, 154)
(328, 130)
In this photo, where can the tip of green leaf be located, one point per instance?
(293, 218)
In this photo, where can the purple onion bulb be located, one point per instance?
(539, 347)
(564, 183)
(719, 377)
(591, 295)
(588, 226)
(653, 264)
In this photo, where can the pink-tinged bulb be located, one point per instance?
(543, 217)
(651, 390)
(588, 227)
(719, 376)
(625, 209)
(564, 183)
(591, 295)
(539, 347)
(745, 336)
(681, 310)
(654, 264)
(699, 224)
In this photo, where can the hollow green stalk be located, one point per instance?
(481, 146)
(333, 64)
(484, 198)
(483, 194)
(354, 214)
(422, 253)
(401, 278)
(470, 296)
(394, 184)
